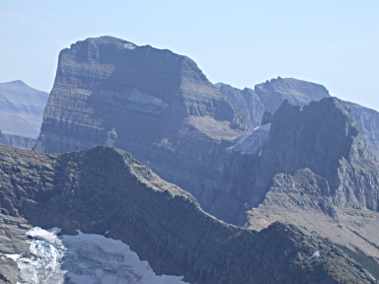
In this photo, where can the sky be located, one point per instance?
(240, 42)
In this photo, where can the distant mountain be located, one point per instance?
(17, 141)
(21, 109)
(296, 92)
(105, 192)
(255, 106)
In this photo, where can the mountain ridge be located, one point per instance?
(157, 220)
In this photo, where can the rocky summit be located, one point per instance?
(106, 192)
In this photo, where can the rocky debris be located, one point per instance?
(21, 109)
(107, 192)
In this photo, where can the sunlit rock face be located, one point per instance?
(82, 259)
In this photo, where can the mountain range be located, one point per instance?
(207, 182)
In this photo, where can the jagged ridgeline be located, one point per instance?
(105, 191)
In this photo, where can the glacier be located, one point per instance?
(83, 259)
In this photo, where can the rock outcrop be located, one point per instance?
(105, 191)
(21, 109)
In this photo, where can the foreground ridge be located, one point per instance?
(105, 191)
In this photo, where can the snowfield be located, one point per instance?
(83, 259)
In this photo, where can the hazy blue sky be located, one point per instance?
(242, 43)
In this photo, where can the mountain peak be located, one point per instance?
(18, 82)
(285, 85)
(110, 40)
(15, 83)
(21, 108)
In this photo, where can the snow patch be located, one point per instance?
(316, 254)
(83, 258)
(130, 46)
(42, 263)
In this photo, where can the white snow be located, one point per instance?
(42, 263)
(130, 46)
(102, 260)
(316, 254)
(49, 236)
(83, 258)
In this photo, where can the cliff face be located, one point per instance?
(111, 91)
(106, 192)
